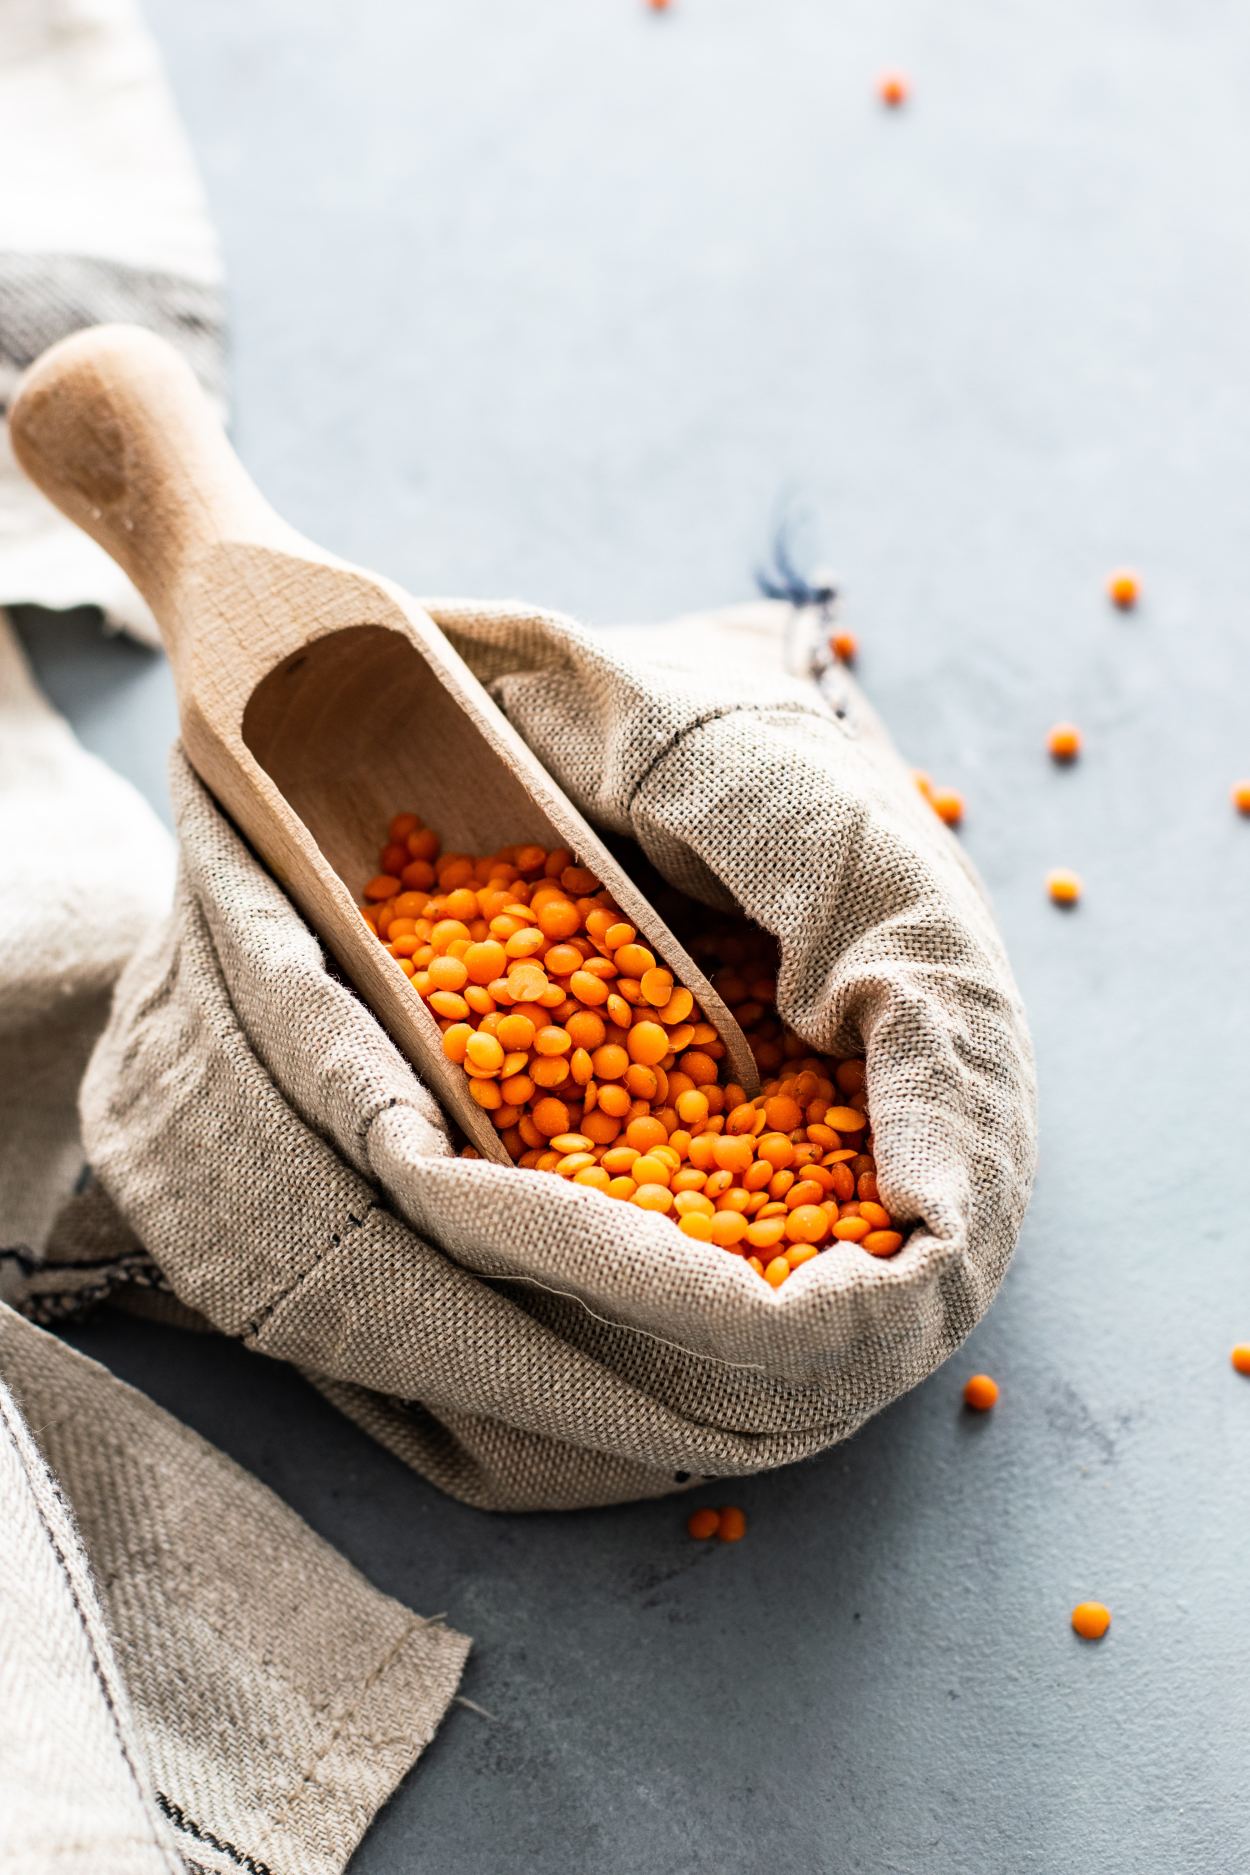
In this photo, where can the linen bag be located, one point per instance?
(522, 1342)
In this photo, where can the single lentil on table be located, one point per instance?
(981, 1392)
(595, 1065)
(1124, 588)
(945, 802)
(1064, 742)
(1091, 1620)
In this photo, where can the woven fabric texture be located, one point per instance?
(189, 1677)
(192, 1678)
(88, 868)
(521, 1341)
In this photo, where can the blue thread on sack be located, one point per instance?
(783, 580)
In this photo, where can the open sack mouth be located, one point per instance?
(593, 1064)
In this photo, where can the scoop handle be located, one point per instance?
(113, 426)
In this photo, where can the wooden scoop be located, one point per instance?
(315, 699)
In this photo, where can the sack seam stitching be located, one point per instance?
(353, 1223)
(344, 1726)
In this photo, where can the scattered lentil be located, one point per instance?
(893, 89)
(1241, 796)
(947, 805)
(980, 1392)
(704, 1523)
(1064, 887)
(844, 646)
(733, 1524)
(1124, 589)
(1240, 1357)
(1064, 742)
(1091, 1620)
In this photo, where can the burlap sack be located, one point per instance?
(521, 1341)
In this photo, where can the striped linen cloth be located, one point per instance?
(190, 1679)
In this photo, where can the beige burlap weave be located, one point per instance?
(192, 1679)
(521, 1341)
(189, 1677)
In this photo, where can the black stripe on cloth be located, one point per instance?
(62, 1291)
(45, 297)
(56, 1521)
(180, 1820)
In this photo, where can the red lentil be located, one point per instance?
(704, 1523)
(733, 1524)
(947, 805)
(1064, 742)
(594, 1065)
(893, 89)
(1240, 1357)
(980, 1392)
(1124, 589)
(844, 646)
(1091, 1620)
(1241, 796)
(1064, 887)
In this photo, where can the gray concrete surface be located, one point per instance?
(567, 299)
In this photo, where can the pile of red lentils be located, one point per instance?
(595, 1065)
